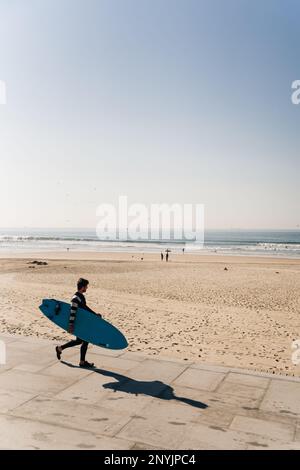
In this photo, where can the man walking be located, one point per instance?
(78, 300)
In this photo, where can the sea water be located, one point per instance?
(281, 243)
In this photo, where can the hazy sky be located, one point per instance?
(161, 100)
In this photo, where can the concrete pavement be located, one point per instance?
(133, 401)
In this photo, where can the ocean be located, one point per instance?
(279, 243)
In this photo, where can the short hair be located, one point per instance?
(82, 283)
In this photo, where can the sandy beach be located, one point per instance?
(190, 308)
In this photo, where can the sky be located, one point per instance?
(164, 101)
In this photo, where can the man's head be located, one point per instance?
(82, 285)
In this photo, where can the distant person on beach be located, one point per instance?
(183, 251)
(78, 300)
(162, 256)
(167, 256)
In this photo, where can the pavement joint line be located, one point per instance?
(128, 422)
(139, 443)
(264, 394)
(50, 364)
(23, 403)
(182, 372)
(223, 380)
(233, 416)
(295, 433)
(236, 370)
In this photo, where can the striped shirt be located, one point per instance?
(78, 300)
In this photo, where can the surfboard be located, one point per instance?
(87, 326)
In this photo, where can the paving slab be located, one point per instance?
(28, 347)
(172, 411)
(157, 370)
(218, 417)
(88, 390)
(200, 379)
(253, 381)
(96, 419)
(155, 432)
(18, 380)
(282, 397)
(240, 390)
(213, 437)
(284, 432)
(17, 357)
(26, 434)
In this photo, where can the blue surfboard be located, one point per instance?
(87, 326)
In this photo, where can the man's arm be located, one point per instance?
(75, 303)
(89, 309)
(92, 311)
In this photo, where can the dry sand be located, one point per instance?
(190, 308)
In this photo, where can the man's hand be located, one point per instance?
(98, 314)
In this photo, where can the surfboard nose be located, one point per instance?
(122, 344)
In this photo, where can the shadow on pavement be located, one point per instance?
(153, 388)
